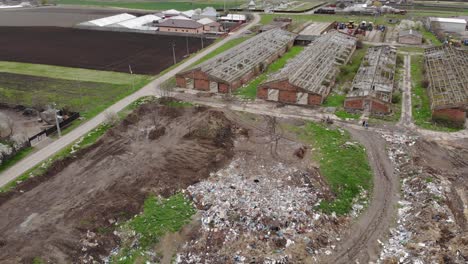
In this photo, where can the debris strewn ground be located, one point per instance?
(428, 229)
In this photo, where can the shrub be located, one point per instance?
(396, 98)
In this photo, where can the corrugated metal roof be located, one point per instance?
(105, 21)
(409, 32)
(180, 23)
(137, 22)
(448, 20)
(206, 21)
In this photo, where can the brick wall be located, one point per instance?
(287, 97)
(223, 88)
(455, 115)
(379, 107)
(181, 82)
(314, 99)
(355, 103)
(262, 93)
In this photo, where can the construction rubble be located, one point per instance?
(425, 231)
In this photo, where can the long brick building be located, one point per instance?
(373, 84)
(447, 72)
(308, 78)
(231, 69)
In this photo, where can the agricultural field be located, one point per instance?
(98, 50)
(152, 5)
(55, 16)
(86, 91)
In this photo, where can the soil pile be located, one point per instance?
(156, 149)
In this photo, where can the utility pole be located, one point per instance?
(173, 52)
(201, 37)
(186, 42)
(133, 79)
(57, 121)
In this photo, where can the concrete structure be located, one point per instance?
(210, 26)
(238, 18)
(308, 78)
(106, 21)
(181, 25)
(372, 86)
(455, 25)
(411, 36)
(237, 66)
(447, 72)
(142, 23)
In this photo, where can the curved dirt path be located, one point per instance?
(361, 243)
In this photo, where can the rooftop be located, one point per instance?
(448, 76)
(375, 76)
(410, 32)
(234, 63)
(180, 23)
(105, 21)
(448, 20)
(206, 21)
(137, 22)
(317, 65)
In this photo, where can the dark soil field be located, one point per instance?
(157, 149)
(100, 50)
(55, 16)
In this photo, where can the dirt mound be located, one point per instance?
(157, 149)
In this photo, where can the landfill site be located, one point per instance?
(289, 139)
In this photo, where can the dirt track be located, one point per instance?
(100, 50)
(159, 150)
(360, 244)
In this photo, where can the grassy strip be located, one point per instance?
(226, 46)
(343, 114)
(343, 164)
(68, 73)
(146, 5)
(18, 156)
(268, 18)
(421, 105)
(250, 91)
(430, 37)
(158, 217)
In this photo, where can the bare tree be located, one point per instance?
(6, 126)
(111, 118)
(274, 136)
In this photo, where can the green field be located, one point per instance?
(343, 164)
(250, 91)
(86, 91)
(151, 5)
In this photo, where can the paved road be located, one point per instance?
(41, 155)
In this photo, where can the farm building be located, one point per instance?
(455, 25)
(237, 18)
(171, 13)
(208, 12)
(181, 24)
(372, 86)
(210, 25)
(106, 21)
(229, 70)
(312, 31)
(410, 37)
(448, 83)
(307, 79)
(141, 23)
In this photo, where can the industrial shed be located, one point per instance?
(141, 23)
(229, 70)
(448, 83)
(106, 21)
(411, 36)
(308, 78)
(372, 86)
(455, 25)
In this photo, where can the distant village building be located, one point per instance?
(171, 13)
(181, 24)
(237, 18)
(252, 5)
(410, 37)
(210, 26)
(208, 12)
(455, 25)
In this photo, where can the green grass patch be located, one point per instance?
(430, 37)
(349, 70)
(68, 73)
(343, 164)
(147, 5)
(159, 217)
(178, 104)
(421, 105)
(17, 157)
(334, 100)
(343, 114)
(250, 91)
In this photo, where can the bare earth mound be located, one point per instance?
(157, 149)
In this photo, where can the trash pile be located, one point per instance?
(425, 231)
(258, 213)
